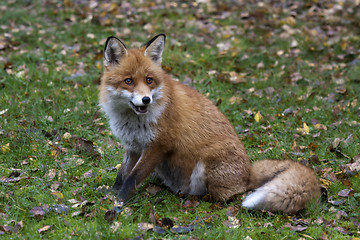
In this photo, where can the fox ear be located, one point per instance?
(155, 47)
(114, 51)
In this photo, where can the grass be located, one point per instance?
(52, 132)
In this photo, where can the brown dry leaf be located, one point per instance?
(190, 204)
(153, 189)
(55, 186)
(166, 223)
(232, 211)
(154, 218)
(342, 230)
(355, 166)
(331, 176)
(232, 222)
(84, 146)
(18, 227)
(44, 228)
(144, 227)
(235, 99)
(98, 179)
(51, 174)
(115, 226)
(6, 228)
(340, 214)
(297, 228)
(37, 212)
(344, 192)
(88, 174)
(313, 146)
(110, 215)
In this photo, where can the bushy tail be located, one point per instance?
(281, 185)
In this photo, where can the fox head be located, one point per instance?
(133, 78)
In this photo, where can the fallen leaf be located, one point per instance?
(55, 186)
(51, 174)
(158, 230)
(342, 230)
(115, 226)
(232, 222)
(306, 128)
(98, 179)
(180, 229)
(88, 174)
(355, 166)
(258, 116)
(110, 215)
(37, 212)
(344, 193)
(190, 204)
(58, 195)
(44, 228)
(84, 146)
(5, 148)
(153, 190)
(297, 228)
(6, 228)
(18, 226)
(144, 227)
(235, 99)
(166, 223)
(232, 211)
(340, 214)
(59, 208)
(77, 213)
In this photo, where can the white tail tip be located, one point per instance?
(254, 200)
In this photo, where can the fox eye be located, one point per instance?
(149, 80)
(128, 81)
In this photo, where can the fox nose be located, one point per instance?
(146, 100)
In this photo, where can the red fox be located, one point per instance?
(168, 128)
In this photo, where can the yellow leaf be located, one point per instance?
(306, 128)
(5, 148)
(58, 195)
(343, 45)
(208, 219)
(98, 66)
(234, 99)
(320, 126)
(325, 182)
(258, 116)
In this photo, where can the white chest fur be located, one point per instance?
(135, 132)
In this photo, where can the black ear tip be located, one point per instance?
(161, 35)
(111, 38)
(154, 38)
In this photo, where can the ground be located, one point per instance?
(285, 73)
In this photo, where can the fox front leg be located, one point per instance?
(129, 161)
(142, 169)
